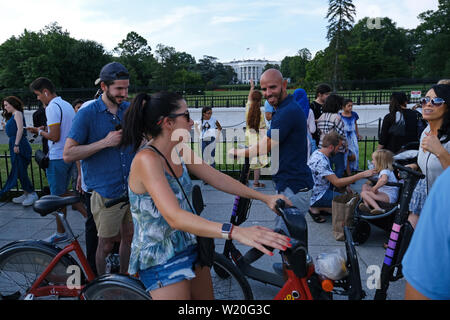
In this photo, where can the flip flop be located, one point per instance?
(259, 185)
(317, 217)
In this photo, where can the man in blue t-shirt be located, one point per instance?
(287, 139)
(96, 132)
(288, 134)
(426, 264)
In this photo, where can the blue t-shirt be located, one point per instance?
(293, 171)
(268, 108)
(426, 264)
(106, 171)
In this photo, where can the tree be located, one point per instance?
(433, 42)
(340, 16)
(135, 53)
(295, 67)
(52, 53)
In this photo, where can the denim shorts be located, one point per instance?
(176, 269)
(58, 176)
(326, 200)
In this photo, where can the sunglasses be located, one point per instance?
(435, 102)
(185, 114)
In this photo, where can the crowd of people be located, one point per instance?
(318, 156)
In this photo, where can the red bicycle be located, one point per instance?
(34, 269)
(300, 280)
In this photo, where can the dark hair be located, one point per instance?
(333, 104)
(144, 114)
(77, 101)
(322, 88)
(332, 138)
(347, 101)
(443, 91)
(15, 102)
(42, 83)
(398, 99)
(254, 112)
(204, 110)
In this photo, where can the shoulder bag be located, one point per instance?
(42, 158)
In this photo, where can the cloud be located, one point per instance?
(226, 19)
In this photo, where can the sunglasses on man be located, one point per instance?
(435, 102)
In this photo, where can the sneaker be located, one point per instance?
(56, 238)
(20, 199)
(30, 199)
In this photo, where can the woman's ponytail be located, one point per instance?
(134, 127)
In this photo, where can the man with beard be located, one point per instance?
(324, 177)
(288, 133)
(95, 135)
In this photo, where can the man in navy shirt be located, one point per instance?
(94, 137)
(287, 133)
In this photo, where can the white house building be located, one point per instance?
(249, 69)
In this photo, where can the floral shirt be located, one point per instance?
(320, 168)
(154, 241)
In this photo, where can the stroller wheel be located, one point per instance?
(361, 232)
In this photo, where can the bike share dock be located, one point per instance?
(19, 223)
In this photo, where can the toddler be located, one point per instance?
(382, 161)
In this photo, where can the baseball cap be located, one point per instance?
(113, 71)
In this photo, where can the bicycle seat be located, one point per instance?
(49, 204)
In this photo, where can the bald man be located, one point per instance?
(288, 133)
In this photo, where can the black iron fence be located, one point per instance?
(223, 163)
(232, 99)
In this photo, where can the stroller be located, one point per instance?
(407, 183)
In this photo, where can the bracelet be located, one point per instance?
(39, 132)
(16, 145)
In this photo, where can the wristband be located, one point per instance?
(16, 145)
(39, 132)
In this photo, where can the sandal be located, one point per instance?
(317, 217)
(259, 185)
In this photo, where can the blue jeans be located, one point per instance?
(209, 157)
(58, 176)
(326, 200)
(339, 164)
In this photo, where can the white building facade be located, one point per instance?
(249, 69)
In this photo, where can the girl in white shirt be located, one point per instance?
(207, 128)
(382, 160)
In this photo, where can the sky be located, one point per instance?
(227, 29)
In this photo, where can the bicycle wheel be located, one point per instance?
(115, 287)
(228, 281)
(21, 264)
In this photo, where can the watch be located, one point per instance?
(227, 228)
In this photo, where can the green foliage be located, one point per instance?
(52, 53)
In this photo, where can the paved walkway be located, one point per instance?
(17, 222)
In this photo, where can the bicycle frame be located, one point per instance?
(400, 235)
(37, 291)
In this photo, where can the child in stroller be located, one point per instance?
(382, 161)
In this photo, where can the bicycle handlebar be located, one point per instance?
(279, 206)
(113, 202)
(408, 170)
